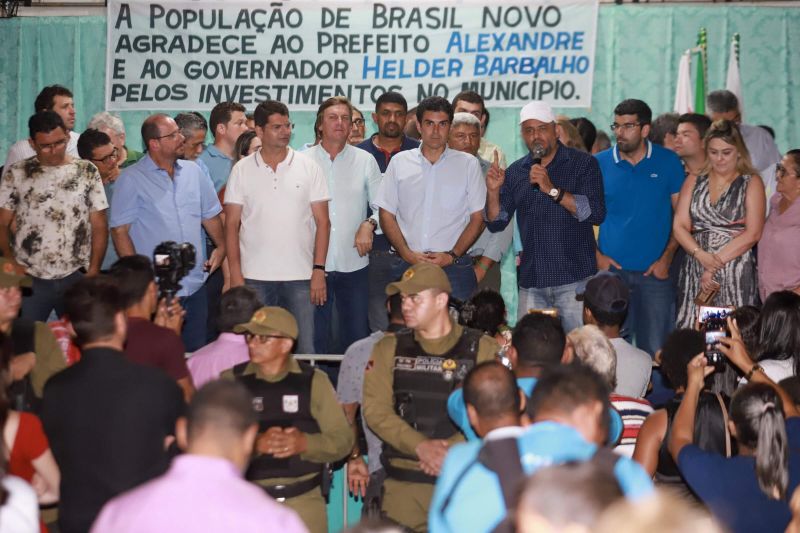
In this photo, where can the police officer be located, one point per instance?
(406, 385)
(301, 425)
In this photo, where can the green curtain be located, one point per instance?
(638, 49)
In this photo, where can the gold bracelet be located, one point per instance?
(695, 251)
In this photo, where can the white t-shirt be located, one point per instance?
(20, 514)
(776, 369)
(276, 238)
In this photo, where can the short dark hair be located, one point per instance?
(539, 340)
(391, 97)
(485, 311)
(768, 129)
(606, 318)
(266, 108)
(492, 390)
(91, 306)
(564, 388)
(46, 97)
(722, 101)
(470, 96)
(486, 117)
(700, 122)
(191, 122)
(220, 406)
(571, 493)
(679, 348)
(89, 140)
(435, 104)
(221, 114)
(662, 125)
(150, 130)
(133, 274)
(587, 131)
(45, 122)
(639, 108)
(237, 306)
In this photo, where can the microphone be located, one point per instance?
(538, 151)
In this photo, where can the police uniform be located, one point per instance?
(301, 397)
(407, 382)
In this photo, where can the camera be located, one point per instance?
(714, 325)
(172, 262)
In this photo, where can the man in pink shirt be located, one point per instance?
(204, 491)
(229, 349)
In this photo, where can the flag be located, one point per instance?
(684, 94)
(733, 81)
(700, 76)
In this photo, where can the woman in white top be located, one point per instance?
(779, 336)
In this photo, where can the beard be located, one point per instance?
(391, 132)
(627, 147)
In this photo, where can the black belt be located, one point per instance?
(407, 474)
(293, 489)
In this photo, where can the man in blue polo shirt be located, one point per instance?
(227, 121)
(557, 194)
(163, 198)
(641, 182)
(390, 113)
(570, 403)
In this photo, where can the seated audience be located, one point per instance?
(229, 349)
(204, 489)
(778, 253)
(149, 343)
(748, 492)
(566, 498)
(710, 429)
(593, 349)
(571, 420)
(108, 420)
(605, 305)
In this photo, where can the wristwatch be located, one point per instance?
(553, 193)
(452, 254)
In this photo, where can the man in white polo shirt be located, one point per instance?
(280, 199)
(431, 201)
(353, 179)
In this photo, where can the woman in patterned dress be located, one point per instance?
(719, 219)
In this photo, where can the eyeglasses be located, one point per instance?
(173, 134)
(262, 338)
(628, 126)
(781, 171)
(52, 146)
(113, 156)
(358, 122)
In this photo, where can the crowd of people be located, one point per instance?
(152, 304)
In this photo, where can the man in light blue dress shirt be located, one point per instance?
(163, 198)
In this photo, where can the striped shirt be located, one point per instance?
(633, 412)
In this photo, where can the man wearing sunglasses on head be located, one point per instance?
(301, 425)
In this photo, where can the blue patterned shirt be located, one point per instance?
(558, 248)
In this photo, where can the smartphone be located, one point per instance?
(550, 311)
(713, 355)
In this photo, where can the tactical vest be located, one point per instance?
(285, 403)
(422, 384)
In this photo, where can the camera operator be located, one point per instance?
(164, 198)
(150, 343)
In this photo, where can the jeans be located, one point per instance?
(348, 298)
(461, 276)
(570, 310)
(47, 295)
(193, 333)
(295, 297)
(651, 310)
(379, 275)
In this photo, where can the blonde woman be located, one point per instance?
(719, 218)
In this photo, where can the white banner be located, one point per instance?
(193, 54)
